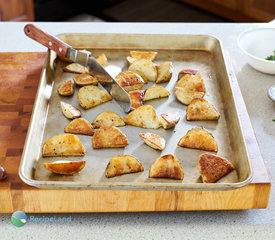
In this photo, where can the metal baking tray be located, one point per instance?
(201, 52)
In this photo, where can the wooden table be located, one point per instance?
(19, 77)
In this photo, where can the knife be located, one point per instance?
(84, 58)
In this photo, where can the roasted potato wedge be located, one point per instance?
(65, 167)
(108, 118)
(201, 109)
(191, 83)
(79, 126)
(91, 96)
(153, 140)
(143, 55)
(69, 111)
(199, 138)
(144, 117)
(189, 86)
(164, 72)
(155, 92)
(109, 137)
(167, 166)
(213, 167)
(75, 68)
(84, 79)
(188, 71)
(63, 145)
(129, 81)
(123, 164)
(66, 89)
(145, 68)
(136, 98)
(186, 97)
(169, 120)
(102, 60)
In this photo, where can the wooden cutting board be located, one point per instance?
(19, 78)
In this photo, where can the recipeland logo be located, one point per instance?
(19, 218)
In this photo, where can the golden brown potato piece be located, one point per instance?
(136, 98)
(199, 138)
(164, 72)
(201, 109)
(84, 79)
(102, 60)
(109, 137)
(65, 167)
(91, 96)
(66, 89)
(139, 55)
(188, 71)
(186, 97)
(145, 68)
(143, 55)
(153, 140)
(189, 86)
(63, 145)
(155, 92)
(167, 166)
(75, 68)
(213, 167)
(123, 164)
(129, 81)
(79, 126)
(108, 118)
(144, 117)
(70, 111)
(169, 120)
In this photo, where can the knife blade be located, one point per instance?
(84, 58)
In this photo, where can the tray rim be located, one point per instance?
(137, 186)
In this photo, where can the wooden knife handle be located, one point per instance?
(47, 40)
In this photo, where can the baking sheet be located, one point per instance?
(218, 92)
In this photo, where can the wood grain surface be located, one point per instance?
(19, 78)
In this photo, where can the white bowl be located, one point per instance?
(256, 45)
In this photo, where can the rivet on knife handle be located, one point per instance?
(47, 40)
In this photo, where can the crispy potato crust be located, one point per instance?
(109, 137)
(145, 68)
(79, 126)
(213, 167)
(65, 167)
(75, 68)
(129, 81)
(136, 98)
(201, 109)
(66, 89)
(108, 118)
(169, 120)
(199, 138)
(144, 117)
(63, 145)
(143, 54)
(155, 92)
(91, 96)
(123, 164)
(69, 111)
(84, 79)
(102, 60)
(153, 140)
(164, 72)
(167, 166)
(188, 71)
